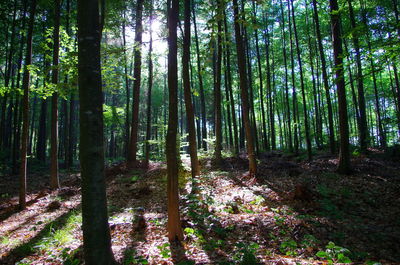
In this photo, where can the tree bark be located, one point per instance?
(174, 228)
(150, 86)
(25, 119)
(217, 88)
(325, 80)
(96, 233)
(289, 129)
(344, 155)
(229, 85)
(244, 90)
(54, 181)
(306, 125)
(200, 77)
(187, 92)
(363, 126)
(132, 157)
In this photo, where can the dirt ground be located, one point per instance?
(287, 214)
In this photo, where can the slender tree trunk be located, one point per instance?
(174, 228)
(363, 129)
(269, 88)
(217, 89)
(187, 92)
(25, 122)
(150, 86)
(244, 90)
(96, 233)
(200, 77)
(228, 77)
(127, 90)
(318, 123)
(325, 80)
(132, 157)
(306, 125)
(294, 91)
(289, 138)
(261, 77)
(344, 155)
(54, 182)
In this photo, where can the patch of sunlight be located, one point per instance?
(63, 235)
(5, 241)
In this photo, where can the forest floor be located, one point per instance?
(292, 212)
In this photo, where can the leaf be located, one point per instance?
(322, 254)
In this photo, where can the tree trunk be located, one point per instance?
(25, 122)
(363, 129)
(96, 233)
(54, 182)
(132, 159)
(244, 90)
(294, 91)
(217, 89)
(261, 77)
(150, 86)
(289, 138)
(325, 80)
(229, 85)
(344, 155)
(306, 125)
(187, 92)
(174, 228)
(200, 77)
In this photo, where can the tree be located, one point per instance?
(25, 114)
(54, 182)
(201, 86)
(325, 79)
(244, 90)
(188, 93)
(344, 155)
(96, 233)
(137, 68)
(174, 228)
(363, 126)
(307, 129)
(217, 88)
(150, 86)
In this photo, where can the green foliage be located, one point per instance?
(131, 257)
(246, 253)
(334, 253)
(68, 256)
(288, 247)
(165, 250)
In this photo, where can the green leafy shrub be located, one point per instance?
(334, 254)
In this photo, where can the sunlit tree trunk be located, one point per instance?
(132, 153)
(217, 88)
(201, 86)
(229, 85)
(149, 91)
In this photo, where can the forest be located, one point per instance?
(199, 132)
